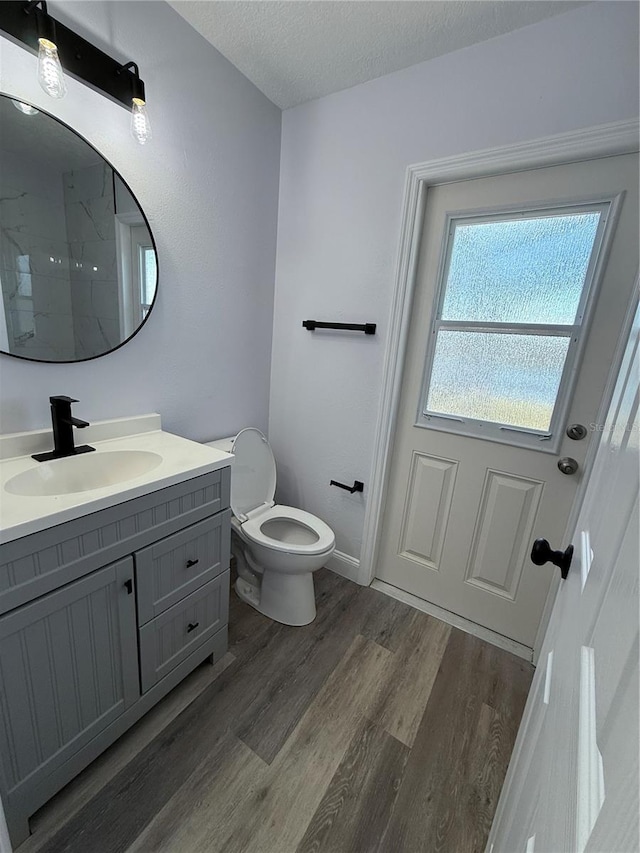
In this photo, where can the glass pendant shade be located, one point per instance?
(50, 75)
(140, 126)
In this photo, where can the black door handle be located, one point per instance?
(128, 585)
(192, 626)
(192, 563)
(541, 553)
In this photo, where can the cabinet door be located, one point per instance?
(68, 668)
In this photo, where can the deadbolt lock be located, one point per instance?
(576, 431)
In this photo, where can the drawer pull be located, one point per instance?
(192, 563)
(192, 626)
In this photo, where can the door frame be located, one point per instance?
(585, 144)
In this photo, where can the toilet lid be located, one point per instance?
(253, 474)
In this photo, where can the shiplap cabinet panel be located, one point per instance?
(37, 564)
(68, 668)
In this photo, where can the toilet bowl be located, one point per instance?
(276, 547)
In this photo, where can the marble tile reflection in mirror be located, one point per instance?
(78, 266)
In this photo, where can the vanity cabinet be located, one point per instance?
(101, 617)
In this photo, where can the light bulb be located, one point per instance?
(50, 74)
(27, 109)
(140, 126)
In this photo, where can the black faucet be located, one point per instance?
(63, 423)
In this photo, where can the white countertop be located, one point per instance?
(182, 459)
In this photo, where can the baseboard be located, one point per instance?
(345, 565)
(460, 622)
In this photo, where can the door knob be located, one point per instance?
(541, 553)
(568, 465)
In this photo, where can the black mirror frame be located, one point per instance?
(144, 216)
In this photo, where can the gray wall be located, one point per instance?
(342, 175)
(208, 182)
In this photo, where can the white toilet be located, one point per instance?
(276, 547)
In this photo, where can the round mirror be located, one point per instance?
(78, 265)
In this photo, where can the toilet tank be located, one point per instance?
(224, 444)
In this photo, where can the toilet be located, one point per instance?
(277, 548)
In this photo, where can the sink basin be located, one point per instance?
(83, 473)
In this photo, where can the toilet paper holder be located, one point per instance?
(358, 486)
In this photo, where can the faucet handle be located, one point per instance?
(62, 399)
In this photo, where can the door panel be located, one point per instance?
(427, 510)
(508, 508)
(462, 511)
(585, 736)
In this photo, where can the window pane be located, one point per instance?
(520, 271)
(150, 275)
(507, 379)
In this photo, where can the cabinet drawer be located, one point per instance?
(176, 566)
(171, 637)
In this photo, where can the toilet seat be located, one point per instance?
(284, 529)
(253, 529)
(253, 483)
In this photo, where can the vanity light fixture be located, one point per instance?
(28, 23)
(140, 126)
(50, 74)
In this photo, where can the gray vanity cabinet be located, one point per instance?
(68, 664)
(100, 617)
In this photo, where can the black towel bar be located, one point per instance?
(367, 328)
(358, 486)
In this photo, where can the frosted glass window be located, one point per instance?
(508, 319)
(149, 278)
(507, 379)
(520, 270)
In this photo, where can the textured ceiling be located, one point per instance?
(298, 50)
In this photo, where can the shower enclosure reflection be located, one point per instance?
(78, 265)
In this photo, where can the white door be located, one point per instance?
(573, 783)
(523, 283)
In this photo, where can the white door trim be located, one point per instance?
(588, 143)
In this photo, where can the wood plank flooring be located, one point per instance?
(376, 728)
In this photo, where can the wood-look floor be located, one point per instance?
(376, 728)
